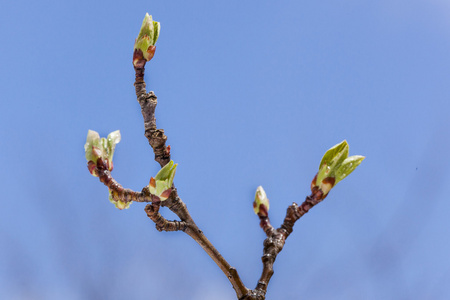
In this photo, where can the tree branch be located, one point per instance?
(156, 137)
(118, 192)
(157, 141)
(161, 223)
(276, 239)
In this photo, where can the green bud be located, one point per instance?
(261, 204)
(93, 138)
(161, 185)
(335, 166)
(111, 141)
(96, 148)
(144, 46)
(119, 204)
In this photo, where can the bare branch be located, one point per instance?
(117, 191)
(157, 141)
(156, 137)
(276, 239)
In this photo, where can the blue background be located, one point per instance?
(250, 93)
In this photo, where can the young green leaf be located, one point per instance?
(335, 166)
(348, 166)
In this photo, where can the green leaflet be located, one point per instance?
(348, 166)
(336, 164)
(332, 159)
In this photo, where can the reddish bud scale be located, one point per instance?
(92, 168)
(329, 180)
(166, 193)
(152, 182)
(315, 189)
(168, 150)
(138, 59)
(155, 199)
(263, 212)
(151, 52)
(313, 182)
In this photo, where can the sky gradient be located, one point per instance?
(249, 93)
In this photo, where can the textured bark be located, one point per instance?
(161, 223)
(157, 140)
(117, 191)
(156, 137)
(276, 238)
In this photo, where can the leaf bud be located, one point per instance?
(161, 185)
(144, 46)
(335, 166)
(261, 204)
(99, 151)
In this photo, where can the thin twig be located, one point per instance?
(276, 239)
(157, 141)
(118, 192)
(161, 223)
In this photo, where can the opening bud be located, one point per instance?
(161, 185)
(335, 166)
(261, 204)
(100, 148)
(144, 46)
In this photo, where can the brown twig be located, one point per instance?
(157, 141)
(276, 239)
(161, 223)
(118, 192)
(147, 101)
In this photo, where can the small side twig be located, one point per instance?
(276, 239)
(118, 192)
(266, 226)
(161, 223)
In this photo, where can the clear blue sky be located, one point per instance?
(250, 93)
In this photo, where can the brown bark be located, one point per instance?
(157, 141)
(276, 238)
